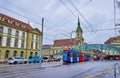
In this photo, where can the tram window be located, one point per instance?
(74, 55)
(68, 54)
(81, 55)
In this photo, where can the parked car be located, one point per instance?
(45, 59)
(16, 60)
(35, 59)
(57, 59)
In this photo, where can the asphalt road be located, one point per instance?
(99, 69)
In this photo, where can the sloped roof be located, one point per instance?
(47, 46)
(110, 40)
(6, 18)
(65, 42)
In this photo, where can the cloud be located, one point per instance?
(58, 20)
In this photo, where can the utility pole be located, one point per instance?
(115, 16)
(101, 52)
(41, 38)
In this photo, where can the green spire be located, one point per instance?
(79, 28)
(78, 23)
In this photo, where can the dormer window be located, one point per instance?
(2, 18)
(10, 21)
(17, 24)
(23, 26)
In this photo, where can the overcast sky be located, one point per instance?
(59, 21)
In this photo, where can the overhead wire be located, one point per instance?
(37, 22)
(73, 13)
(73, 5)
(33, 20)
(22, 16)
(75, 16)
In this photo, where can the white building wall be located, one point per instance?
(4, 41)
(12, 42)
(5, 30)
(25, 34)
(20, 33)
(13, 32)
(25, 44)
(19, 43)
(34, 41)
(13, 37)
(25, 39)
(34, 37)
(33, 45)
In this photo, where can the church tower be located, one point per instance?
(79, 36)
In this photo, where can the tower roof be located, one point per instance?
(78, 27)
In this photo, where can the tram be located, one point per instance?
(70, 56)
(84, 57)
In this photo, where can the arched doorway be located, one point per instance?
(36, 53)
(15, 53)
(22, 54)
(31, 53)
(7, 54)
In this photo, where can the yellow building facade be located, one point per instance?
(18, 38)
(114, 41)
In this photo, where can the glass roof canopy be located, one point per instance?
(97, 47)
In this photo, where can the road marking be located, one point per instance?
(100, 73)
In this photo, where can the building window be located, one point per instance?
(32, 45)
(36, 53)
(1, 29)
(9, 31)
(15, 53)
(31, 53)
(17, 24)
(22, 54)
(23, 26)
(7, 54)
(23, 34)
(2, 18)
(36, 45)
(16, 42)
(17, 33)
(32, 37)
(22, 43)
(0, 40)
(36, 37)
(8, 41)
(10, 21)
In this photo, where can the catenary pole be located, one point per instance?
(41, 38)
